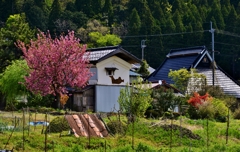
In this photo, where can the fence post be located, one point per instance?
(15, 121)
(88, 132)
(11, 134)
(29, 119)
(180, 128)
(35, 120)
(53, 145)
(207, 135)
(49, 127)
(227, 127)
(171, 132)
(105, 145)
(45, 133)
(133, 120)
(23, 119)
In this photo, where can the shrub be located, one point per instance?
(192, 112)
(116, 126)
(201, 106)
(44, 109)
(220, 110)
(236, 114)
(207, 107)
(151, 113)
(58, 124)
(206, 110)
(14, 105)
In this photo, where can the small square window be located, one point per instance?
(110, 70)
(205, 60)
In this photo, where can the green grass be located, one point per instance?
(148, 137)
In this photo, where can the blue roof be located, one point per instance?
(175, 60)
(131, 73)
(192, 58)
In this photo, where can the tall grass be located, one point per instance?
(149, 137)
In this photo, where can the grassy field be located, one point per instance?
(149, 135)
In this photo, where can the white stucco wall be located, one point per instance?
(107, 98)
(122, 66)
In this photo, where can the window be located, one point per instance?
(110, 70)
(205, 60)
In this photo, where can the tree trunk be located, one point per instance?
(2, 102)
(56, 103)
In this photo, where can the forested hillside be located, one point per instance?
(164, 24)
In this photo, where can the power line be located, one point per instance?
(169, 34)
(227, 33)
(227, 44)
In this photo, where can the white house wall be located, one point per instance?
(106, 98)
(122, 66)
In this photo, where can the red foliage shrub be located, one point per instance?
(196, 99)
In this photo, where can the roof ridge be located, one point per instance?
(188, 48)
(102, 48)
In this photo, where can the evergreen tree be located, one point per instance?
(238, 8)
(148, 22)
(134, 4)
(143, 70)
(217, 15)
(120, 11)
(85, 7)
(203, 13)
(225, 12)
(80, 4)
(204, 2)
(157, 11)
(177, 5)
(55, 14)
(71, 7)
(108, 8)
(97, 7)
(1, 14)
(227, 4)
(165, 6)
(197, 38)
(6, 8)
(189, 29)
(75, 19)
(38, 18)
(169, 26)
(40, 3)
(134, 23)
(195, 13)
(37, 14)
(231, 20)
(178, 22)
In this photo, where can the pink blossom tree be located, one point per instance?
(55, 64)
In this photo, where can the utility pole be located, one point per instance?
(213, 61)
(143, 46)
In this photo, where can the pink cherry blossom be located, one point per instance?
(55, 63)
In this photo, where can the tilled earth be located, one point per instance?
(184, 131)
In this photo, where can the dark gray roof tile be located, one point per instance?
(191, 57)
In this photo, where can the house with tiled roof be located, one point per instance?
(200, 59)
(111, 71)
